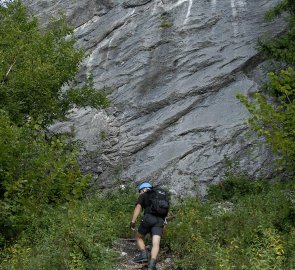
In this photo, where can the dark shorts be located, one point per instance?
(151, 224)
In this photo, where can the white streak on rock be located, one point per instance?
(190, 3)
(237, 6)
(172, 6)
(233, 8)
(213, 5)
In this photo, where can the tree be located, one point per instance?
(37, 171)
(35, 63)
(274, 117)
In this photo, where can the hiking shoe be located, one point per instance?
(152, 265)
(142, 257)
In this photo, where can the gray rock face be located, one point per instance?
(175, 68)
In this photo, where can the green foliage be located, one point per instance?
(35, 63)
(75, 236)
(235, 187)
(276, 122)
(236, 183)
(166, 24)
(257, 232)
(253, 233)
(281, 48)
(281, 7)
(274, 118)
(87, 96)
(34, 171)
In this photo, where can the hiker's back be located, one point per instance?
(159, 202)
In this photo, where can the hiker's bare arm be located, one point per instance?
(137, 211)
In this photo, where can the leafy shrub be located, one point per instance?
(282, 47)
(74, 236)
(35, 63)
(37, 170)
(235, 183)
(273, 118)
(184, 236)
(253, 234)
(234, 188)
(34, 172)
(276, 122)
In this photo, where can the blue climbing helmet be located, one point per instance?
(144, 185)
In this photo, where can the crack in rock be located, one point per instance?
(135, 3)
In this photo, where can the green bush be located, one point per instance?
(74, 236)
(35, 171)
(276, 121)
(281, 47)
(36, 62)
(234, 188)
(273, 117)
(252, 233)
(236, 183)
(184, 236)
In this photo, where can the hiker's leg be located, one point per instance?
(156, 246)
(140, 242)
(143, 229)
(143, 256)
(157, 232)
(141, 233)
(154, 252)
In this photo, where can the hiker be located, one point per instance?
(155, 204)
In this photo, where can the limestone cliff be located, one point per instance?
(174, 67)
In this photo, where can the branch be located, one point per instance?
(8, 71)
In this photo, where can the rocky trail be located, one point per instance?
(128, 250)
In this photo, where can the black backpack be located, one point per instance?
(159, 202)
